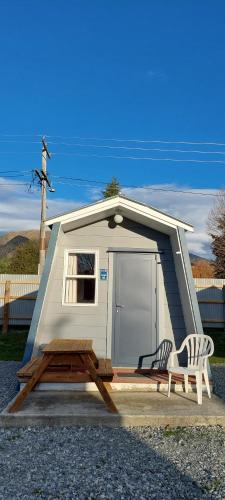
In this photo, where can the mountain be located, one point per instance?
(11, 245)
(33, 234)
(10, 241)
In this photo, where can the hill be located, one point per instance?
(10, 241)
(9, 247)
(19, 252)
(32, 234)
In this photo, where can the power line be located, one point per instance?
(136, 148)
(146, 141)
(15, 176)
(11, 171)
(60, 179)
(106, 146)
(91, 181)
(156, 141)
(21, 135)
(19, 142)
(19, 152)
(144, 188)
(117, 157)
(14, 184)
(21, 173)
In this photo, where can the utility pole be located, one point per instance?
(44, 183)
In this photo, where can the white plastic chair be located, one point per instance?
(199, 348)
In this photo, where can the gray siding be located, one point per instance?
(174, 319)
(95, 321)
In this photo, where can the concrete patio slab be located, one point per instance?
(135, 409)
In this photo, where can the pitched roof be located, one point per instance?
(108, 206)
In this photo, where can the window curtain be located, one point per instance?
(71, 291)
(71, 283)
(72, 264)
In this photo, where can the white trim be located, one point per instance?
(122, 203)
(91, 276)
(190, 286)
(181, 256)
(43, 290)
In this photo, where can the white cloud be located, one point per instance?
(20, 210)
(199, 243)
(192, 208)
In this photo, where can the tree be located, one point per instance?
(112, 188)
(203, 269)
(25, 259)
(4, 265)
(216, 229)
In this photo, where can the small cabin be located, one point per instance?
(117, 272)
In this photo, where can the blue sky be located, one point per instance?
(147, 70)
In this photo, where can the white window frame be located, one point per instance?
(77, 276)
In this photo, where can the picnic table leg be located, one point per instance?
(108, 386)
(87, 361)
(30, 384)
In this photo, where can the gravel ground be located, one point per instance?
(218, 373)
(102, 463)
(8, 382)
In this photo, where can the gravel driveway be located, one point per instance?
(103, 463)
(8, 381)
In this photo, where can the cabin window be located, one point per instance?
(80, 277)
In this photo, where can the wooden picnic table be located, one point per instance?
(65, 360)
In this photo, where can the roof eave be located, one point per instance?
(123, 203)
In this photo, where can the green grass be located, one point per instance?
(12, 344)
(218, 336)
(213, 485)
(176, 433)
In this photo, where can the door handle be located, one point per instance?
(120, 305)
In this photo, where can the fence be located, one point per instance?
(18, 293)
(211, 299)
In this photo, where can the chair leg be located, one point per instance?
(186, 383)
(206, 379)
(169, 384)
(198, 377)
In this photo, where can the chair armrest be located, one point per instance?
(173, 353)
(171, 357)
(208, 354)
(141, 358)
(204, 358)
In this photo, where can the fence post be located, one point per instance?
(223, 298)
(5, 323)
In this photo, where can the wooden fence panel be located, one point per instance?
(211, 299)
(17, 299)
(18, 293)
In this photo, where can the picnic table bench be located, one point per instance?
(66, 360)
